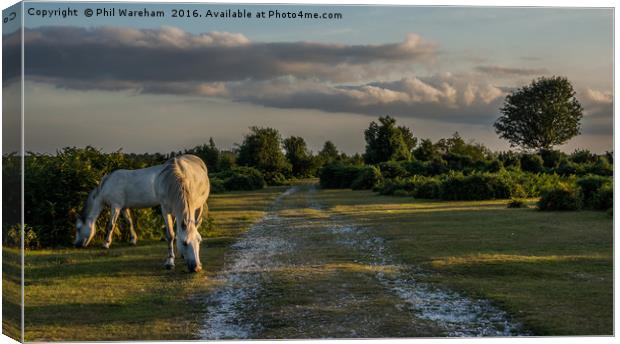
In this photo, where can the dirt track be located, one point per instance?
(303, 272)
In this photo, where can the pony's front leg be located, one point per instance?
(169, 230)
(133, 238)
(114, 212)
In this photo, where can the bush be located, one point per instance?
(493, 166)
(601, 167)
(532, 163)
(517, 203)
(428, 188)
(562, 197)
(57, 186)
(12, 237)
(459, 162)
(567, 168)
(603, 199)
(590, 186)
(237, 178)
(415, 168)
(337, 175)
(477, 186)
(391, 186)
(367, 179)
(551, 158)
(217, 185)
(244, 178)
(437, 166)
(510, 159)
(583, 156)
(392, 169)
(275, 178)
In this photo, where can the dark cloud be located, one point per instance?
(293, 75)
(11, 57)
(499, 71)
(172, 55)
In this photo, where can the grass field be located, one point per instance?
(125, 293)
(550, 270)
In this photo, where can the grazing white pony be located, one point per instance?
(180, 187)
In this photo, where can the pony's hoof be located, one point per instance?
(133, 242)
(106, 245)
(169, 264)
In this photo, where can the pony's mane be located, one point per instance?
(88, 205)
(176, 175)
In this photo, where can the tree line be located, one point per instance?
(535, 118)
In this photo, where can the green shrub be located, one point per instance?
(532, 163)
(493, 166)
(477, 186)
(244, 178)
(390, 186)
(416, 167)
(427, 188)
(551, 158)
(367, 179)
(601, 167)
(57, 186)
(517, 191)
(217, 185)
(603, 199)
(583, 156)
(12, 237)
(337, 175)
(510, 159)
(459, 162)
(517, 203)
(402, 193)
(562, 197)
(590, 186)
(437, 166)
(275, 178)
(567, 168)
(237, 178)
(392, 169)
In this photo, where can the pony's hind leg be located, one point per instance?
(169, 231)
(114, 212)
(133, 238)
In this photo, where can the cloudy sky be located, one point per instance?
(167, 84)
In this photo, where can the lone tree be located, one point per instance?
(385, 141)
(540, 115)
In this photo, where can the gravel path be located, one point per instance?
(277, 242)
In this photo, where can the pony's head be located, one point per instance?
(85, 222)
(84, 231)
(188, 243)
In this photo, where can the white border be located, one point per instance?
(481, 3)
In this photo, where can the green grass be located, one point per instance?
(11, 293)
(125, 293)
(551, 270)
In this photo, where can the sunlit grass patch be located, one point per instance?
(536, 265)
(125, 293)
(338, 267)
(511, 258)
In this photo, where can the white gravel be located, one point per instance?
(229, 309)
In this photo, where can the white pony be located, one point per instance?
(180, 187)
